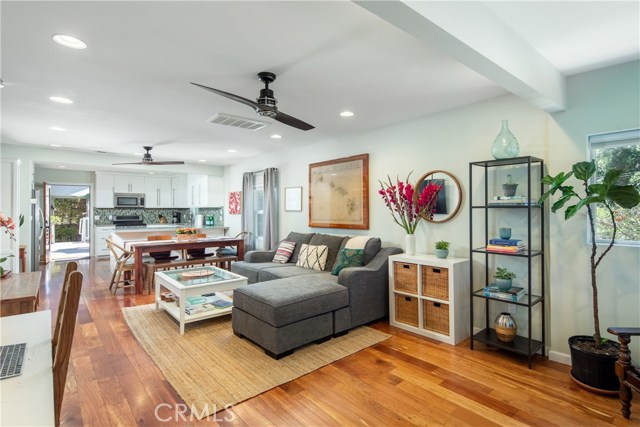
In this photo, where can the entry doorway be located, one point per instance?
(69, 213)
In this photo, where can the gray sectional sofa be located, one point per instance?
(285, 306)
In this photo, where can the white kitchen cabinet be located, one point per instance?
(205, 191)
(100, 248)
(104, 190)
(158, 192)
(179, 191)
(129, 184)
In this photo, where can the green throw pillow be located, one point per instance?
(348, 258)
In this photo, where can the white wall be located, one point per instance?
(601, 101)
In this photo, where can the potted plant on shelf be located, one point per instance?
(504, 278)
(442, 249)
(509, 188)
(592, 357)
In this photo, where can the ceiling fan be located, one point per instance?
(148, 160)
(266, 103)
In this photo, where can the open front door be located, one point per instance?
(45, 211)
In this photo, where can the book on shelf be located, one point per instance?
(514, 293)
(506, 242)
(505, 249)
(512, 201)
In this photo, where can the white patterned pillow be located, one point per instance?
(313, 257)
(284, 251)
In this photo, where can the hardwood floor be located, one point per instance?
(405, 380)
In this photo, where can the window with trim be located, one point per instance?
(617, 150)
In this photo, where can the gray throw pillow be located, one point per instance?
(333, 243)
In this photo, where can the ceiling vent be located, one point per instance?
(237, 122)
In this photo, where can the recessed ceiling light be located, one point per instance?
(69, 41)
(137, 154)
(202, 160)
(61, 166)
(231, 150)
(60, 100)
(55, 145)
(276, 136)
(347, 114)
(58, 128)
(151, 173)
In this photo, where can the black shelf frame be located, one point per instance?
(526, 346)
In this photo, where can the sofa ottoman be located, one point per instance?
(279, 320)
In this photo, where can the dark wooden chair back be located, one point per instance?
(164, 255)
(70, 268)
(628, 374)
(65, 339)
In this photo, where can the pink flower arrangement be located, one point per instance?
(406, 209)
(9, 225)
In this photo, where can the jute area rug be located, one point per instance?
(211, 368)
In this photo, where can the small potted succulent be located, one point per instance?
(442, 249)
(504, 278)
(509, 188)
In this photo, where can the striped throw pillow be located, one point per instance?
(313, 257)
(284, 251)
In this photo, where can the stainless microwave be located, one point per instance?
(128, 200)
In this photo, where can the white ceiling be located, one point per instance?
(131, 85)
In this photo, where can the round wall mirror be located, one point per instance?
(450, 196)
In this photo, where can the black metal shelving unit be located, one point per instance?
(522, 345)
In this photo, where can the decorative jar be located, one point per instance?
(506, 327)
(505, 146)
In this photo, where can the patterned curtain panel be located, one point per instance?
(270, 208)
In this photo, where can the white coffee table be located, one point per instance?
(191, 282)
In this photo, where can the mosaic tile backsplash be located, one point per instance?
(152, 216)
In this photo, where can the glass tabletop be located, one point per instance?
(199, 275)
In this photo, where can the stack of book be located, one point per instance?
(514, 293)
(508, 246)
(511, 201)
(206, 303)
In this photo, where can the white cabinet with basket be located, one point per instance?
(430, 296)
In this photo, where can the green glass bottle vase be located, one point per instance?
(505, 146)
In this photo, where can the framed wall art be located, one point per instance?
(339, 193)
(293, 199)
(235, 202)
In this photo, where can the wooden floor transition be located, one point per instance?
(405, 380)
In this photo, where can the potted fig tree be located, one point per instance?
(592, 357)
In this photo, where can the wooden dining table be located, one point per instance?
(142, 247)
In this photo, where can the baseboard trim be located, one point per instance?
(563, 358)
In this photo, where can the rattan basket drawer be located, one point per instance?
(435, 282)
(407, 310)
(405, 277)
(436, 317)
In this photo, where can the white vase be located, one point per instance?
(410, 244)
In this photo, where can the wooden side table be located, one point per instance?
(20, 293)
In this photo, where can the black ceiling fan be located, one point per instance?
(148, 160)
(266, 103)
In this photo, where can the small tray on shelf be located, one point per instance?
(535, 299)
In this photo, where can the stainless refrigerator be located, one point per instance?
(40, 239)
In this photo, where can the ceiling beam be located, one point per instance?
(473, 35)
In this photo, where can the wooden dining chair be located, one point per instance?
(125, 265)
(70, 268)
(627, 373)
(64, 338)
(162, 256)
(197, 253)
